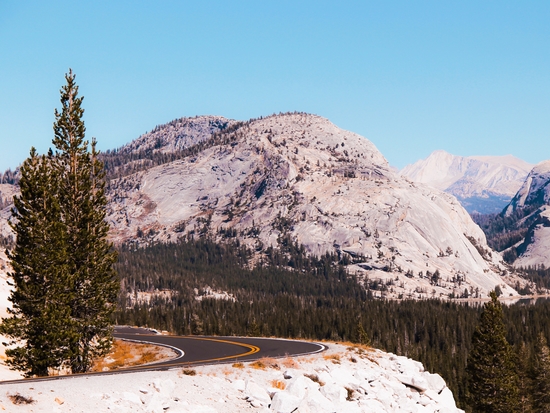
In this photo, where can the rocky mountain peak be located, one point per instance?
(535, 188)
(178, 134)
(299, 178)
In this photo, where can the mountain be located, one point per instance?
(535, 190)
(483, 184)
(298, 178)
(532, 205)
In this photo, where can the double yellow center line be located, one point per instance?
(251, 350)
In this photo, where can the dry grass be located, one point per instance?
(290, 363)
(360, 348)
(238, 365)
(265, 363)
(278, 384)
(315, 378)
(189, 372)
(18, 399)
(335, 358)
(127, 354)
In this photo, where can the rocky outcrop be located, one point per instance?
(342, 379)
(535, 190)
(178, 134)
(530, 209)
(299, 177)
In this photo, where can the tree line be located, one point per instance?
(290, 294)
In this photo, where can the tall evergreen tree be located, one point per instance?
(492, 380)
(525, 383)
(93, 283)
(65, 284)
(541, 375)
(39, 313)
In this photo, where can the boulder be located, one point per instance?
(283, 402)
(435, 381)
(334, 392)
(299, 386)
(255, 392)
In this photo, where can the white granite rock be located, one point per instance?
(435, 381)
(284, 402)
(334, 392)
(255, 392)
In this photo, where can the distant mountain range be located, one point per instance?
(482, 184)
(516, 193)
(297, 178)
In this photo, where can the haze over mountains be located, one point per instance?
(483, 184)
(515, 190)
(297, 178)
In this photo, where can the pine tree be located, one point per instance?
(39, 310)
(65, 284)
(541, 374)
(525, 383)
(492, 380)
(93, 283)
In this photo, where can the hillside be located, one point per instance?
(483, 184)
(531, 203)
(299, 177)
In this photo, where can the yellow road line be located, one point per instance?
(252, 350)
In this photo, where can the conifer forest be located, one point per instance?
(289, 294)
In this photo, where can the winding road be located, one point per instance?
(201, 350)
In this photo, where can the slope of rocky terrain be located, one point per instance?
(298, 177)
(339, 380)
(532, 204)
(483, 184)
(178, 134)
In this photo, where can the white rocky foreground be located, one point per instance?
(341, 379)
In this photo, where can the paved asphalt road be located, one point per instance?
(200, 350)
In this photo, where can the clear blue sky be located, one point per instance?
(469, 77)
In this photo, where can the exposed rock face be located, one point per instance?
(301, 177)
(535, 189)
(482, 183)
(535, 248)
(534, 197)
(178, 134)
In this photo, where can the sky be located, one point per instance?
(468, 77)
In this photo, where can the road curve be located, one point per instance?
(202, 350)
